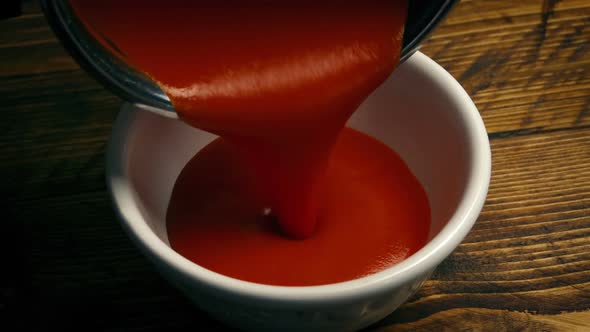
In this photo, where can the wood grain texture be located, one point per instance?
(495, 321)
(529, 250)
(525, 70)
(524, 267)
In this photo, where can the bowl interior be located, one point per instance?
(413, 112)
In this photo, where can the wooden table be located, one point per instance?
(524, 266)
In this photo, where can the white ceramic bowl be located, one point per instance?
(420, 111)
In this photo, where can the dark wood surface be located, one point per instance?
(525, 266)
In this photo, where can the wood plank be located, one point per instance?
(526, 260)
(43, 88)
(72, 265)
(474, 319)
(530, 248)
(530, 253)
(522, 74)
(524, 70)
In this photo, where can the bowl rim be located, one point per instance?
(420, 263)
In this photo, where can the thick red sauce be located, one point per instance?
(373, 214)
(277, 80)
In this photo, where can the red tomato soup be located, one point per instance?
(285, 196)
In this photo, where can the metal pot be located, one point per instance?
(134, 86)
